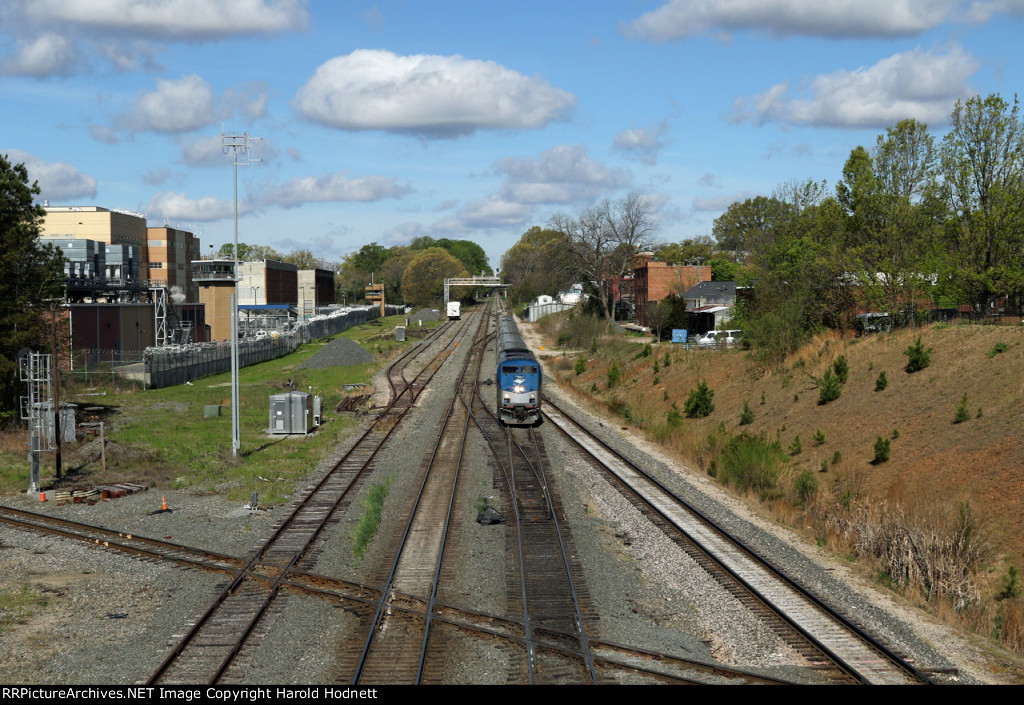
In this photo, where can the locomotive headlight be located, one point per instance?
(508, 395)
(518, 389)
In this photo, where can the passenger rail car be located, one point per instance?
(518, 377)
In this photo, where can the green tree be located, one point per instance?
(747, 225)
(304, 259)
(537, 264)
(249, 253)
(982, 169)
(30, 274)
(829, 387)
(423, 279)
(918, 356)
(700, 402)
(747, 415)
(888, 232)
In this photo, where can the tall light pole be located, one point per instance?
(239, 147)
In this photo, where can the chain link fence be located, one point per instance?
(177, 364)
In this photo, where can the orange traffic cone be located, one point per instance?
(163, 506)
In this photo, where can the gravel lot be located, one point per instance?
(110, 619)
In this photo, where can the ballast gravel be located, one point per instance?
(108, 618)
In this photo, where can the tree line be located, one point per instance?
(412, 273)
(913, 223)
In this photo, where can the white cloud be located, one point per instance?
(58, 181)
(709, 180)
(178, 105)
(170, 19)
(563, 174)
(155, 177)
(56, 37)
(720, 203)
(642, 143)
(103, 134)
(836, 19)
(128, 55)
(335, 187)
(493, 212)
(916, 84)
(171, 204)
(207, 150)
(44, 55)
(432, 96)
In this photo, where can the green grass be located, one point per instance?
(164, 440)
(373, 510)
(16, 607)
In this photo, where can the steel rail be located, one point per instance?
(749, 554)
(256, 561)
(368, 641)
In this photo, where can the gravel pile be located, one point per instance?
(338, 353)
(424, 314)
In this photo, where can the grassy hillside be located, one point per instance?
(940, 518)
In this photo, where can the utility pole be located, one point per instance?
(240, 148)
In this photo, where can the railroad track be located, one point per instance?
(856, 654)
(208, 649)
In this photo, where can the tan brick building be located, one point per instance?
(110, 226)
(171, 253)
(653, 281)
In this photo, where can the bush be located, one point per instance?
(842, 369)
(882, 382)
(806, 485)
(581, 366)
(829, 387)
(614, 375)
(999, 348)
(962, 412)
(919, 357)
(819, 438)
(667, 361)
(673, 417)
(747, 416)
(883, 447)
(796, 447)
(750, 462)
(699, 404)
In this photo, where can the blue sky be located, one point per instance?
(383, 121)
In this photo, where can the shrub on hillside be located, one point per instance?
(962, 412)
(841, 368)
(699, 404)
(796, 447)
(882, 382)
(919, 356)
(747, 416)
(581, 366)
(750, 462)
(883, 447)
(614, 375)
(806, 485)
(829, 387)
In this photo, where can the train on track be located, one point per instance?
(518, 377)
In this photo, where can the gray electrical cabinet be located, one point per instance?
(291, 412)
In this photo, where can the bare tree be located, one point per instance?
(603, 241)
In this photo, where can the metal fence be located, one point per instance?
(177, 364)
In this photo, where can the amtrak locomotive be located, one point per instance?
(518, 377)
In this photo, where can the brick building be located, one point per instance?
(654, 281)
